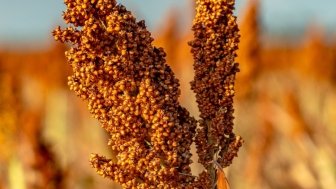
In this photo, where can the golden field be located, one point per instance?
(284, 110)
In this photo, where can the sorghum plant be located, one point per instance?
(9, 111)
(249, 53)
(214, 50)
(134, 93)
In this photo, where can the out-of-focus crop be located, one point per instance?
(284, 103)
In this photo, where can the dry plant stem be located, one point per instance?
(41, 163)
(132, 92)
(214, 48)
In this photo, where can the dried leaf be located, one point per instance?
(222, 182)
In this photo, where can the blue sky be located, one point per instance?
(282, 15)
(27, 20)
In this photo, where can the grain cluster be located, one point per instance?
(134, 94)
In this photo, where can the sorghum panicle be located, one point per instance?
(132, 92)
(214, 48)
(249, 56)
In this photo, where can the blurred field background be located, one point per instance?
(285, 95)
